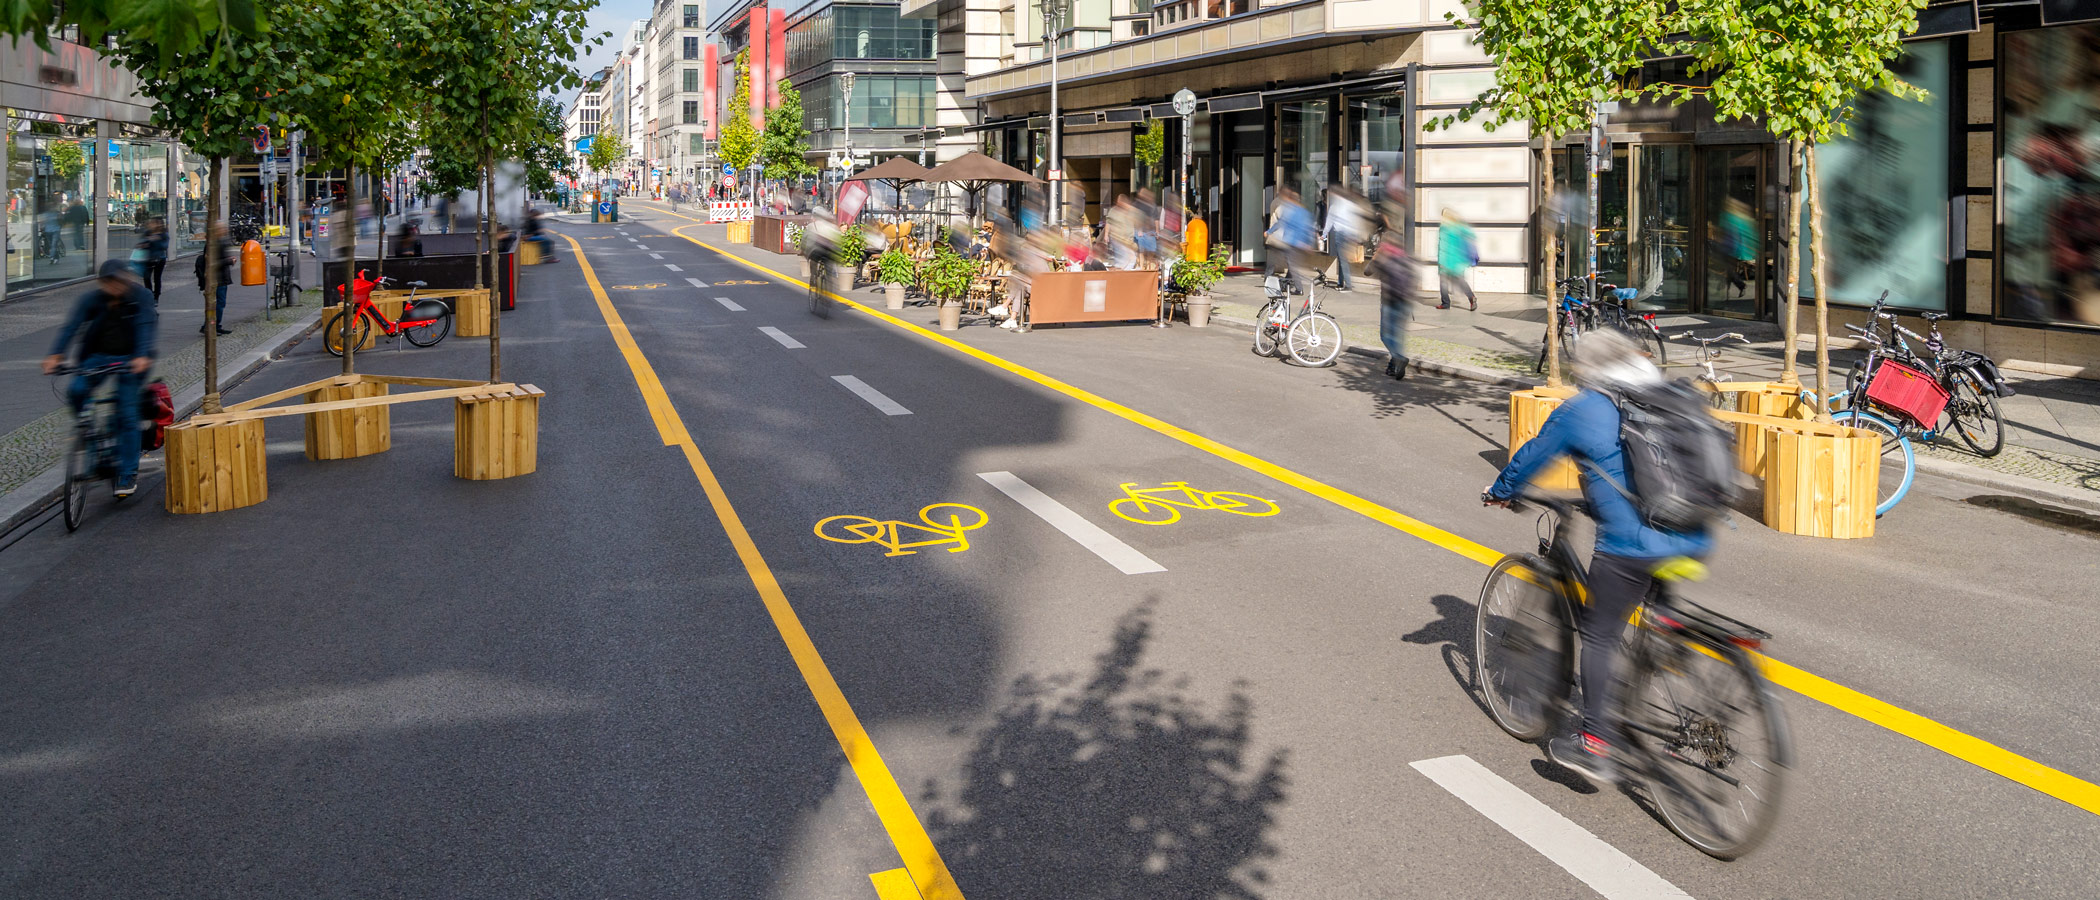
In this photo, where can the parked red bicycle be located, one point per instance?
(423, 322)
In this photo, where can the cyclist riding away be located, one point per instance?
(115, 322)
(1587, 427)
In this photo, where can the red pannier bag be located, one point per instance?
(1908, 391)
(156, 413)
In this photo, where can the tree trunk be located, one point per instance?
(495, 283)
(1815, 229)
(349, 280)
(212, 249)
(1791, 324)
(379, 259)
(1549, 249)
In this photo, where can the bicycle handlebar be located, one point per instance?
(112, 368)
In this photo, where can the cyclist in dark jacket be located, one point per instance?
(116, 324)
(1586, 428)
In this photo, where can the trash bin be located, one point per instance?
(252, 267)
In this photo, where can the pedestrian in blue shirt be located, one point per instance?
(1291, 232)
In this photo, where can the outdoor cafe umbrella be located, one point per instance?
(975, 171)
(895, 173)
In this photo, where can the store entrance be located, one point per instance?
(1682, 224)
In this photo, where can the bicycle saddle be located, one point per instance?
(1679, 568)
(1933, 316)
(419, 284)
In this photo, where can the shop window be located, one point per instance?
(1885, 215)
(2051, 239)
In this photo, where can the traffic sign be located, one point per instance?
(1184, 102)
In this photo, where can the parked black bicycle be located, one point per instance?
(1971, 380)
(1707, 736)
(1578, 313)
(284, 291)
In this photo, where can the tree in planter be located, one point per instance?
(853, 248)
(896, 267)
(544, 154)
(1797, 66)
(608, 150)
(1554, 61)
(739, 142)
(783, 145)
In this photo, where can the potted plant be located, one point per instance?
(853, 247)
(895, 269)
(947, 276)
(1194, 278)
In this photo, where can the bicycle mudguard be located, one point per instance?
(1986, 373)
(426, 310)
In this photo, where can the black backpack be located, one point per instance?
(1679, 458)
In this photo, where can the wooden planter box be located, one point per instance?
(740, 232)
(470, 312)
(1821, 480)
(216, 467)
(496, 433)
(1758, 406)
(348, 433)
(1107, 296)
(1527, 414)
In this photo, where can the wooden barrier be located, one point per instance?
(216, 467)
(1821, 480)
(740, 232)
(496, 432)
(352, 432)
(1527, 414)
(470, 312)
(1753, 408)
(529, 253)
(1114, 295)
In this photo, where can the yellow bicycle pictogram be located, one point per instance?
(1162, 505)
(944, 523)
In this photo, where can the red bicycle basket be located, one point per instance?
(1906, 390)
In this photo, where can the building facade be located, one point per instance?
(1979, 202)
(584, 117)
(679, 145)
(81, 168)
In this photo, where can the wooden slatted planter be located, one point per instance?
(216, 467)
(740, 232)
(352, 432)
(1527, 414)
(1757, 406)
(496, 432)
(470, 310)
(1821, 480)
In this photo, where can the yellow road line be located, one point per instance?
(1968, 748)
(921, 860)
(894, 884)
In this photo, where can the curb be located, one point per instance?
(39, 493)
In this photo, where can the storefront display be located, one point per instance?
(50, 200)
(2051, 155)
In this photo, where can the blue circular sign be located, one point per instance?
(728, 169)
(604, 209)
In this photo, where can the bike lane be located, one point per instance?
(1289, 414)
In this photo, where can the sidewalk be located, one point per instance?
(33, 421)
(2052, 424)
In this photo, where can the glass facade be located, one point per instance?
(50, 200)
(1885, 213)
(2050, 243)
(879, 101)
(1303, 150)
(858, 32)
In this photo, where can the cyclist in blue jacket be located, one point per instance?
(116, 323)
(1586, 427)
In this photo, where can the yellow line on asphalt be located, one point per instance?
(1968, 748)
(921, 859)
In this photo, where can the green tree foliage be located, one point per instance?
(1798, 67)
(738, 145)
(450, 171)
(1553, 61)
(546, 156)
(785, 141)
(66, 159)
(1150, 145)
(167, 28)
(608, 150)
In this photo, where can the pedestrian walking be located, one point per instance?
(1396, 279)
(77, 216)
(51, 232)
(1346, 227)
(150, 257)
(1456, 253)
(1291, 233)
(225, 273)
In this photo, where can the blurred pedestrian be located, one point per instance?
(151, 254)
(77, 216)
(1119, 234)
(1396, 281)
(1291, 233)
(1456, 253)
(224, 271)
(1348, 224)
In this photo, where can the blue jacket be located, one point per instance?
(1587, 428)
(146, 324)
(1293, 226)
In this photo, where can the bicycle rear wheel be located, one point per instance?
(1646, 336)
(819, 283)
(429, 335)
(1974, 414)
(79, 477)
(1315, 340)
(1566, 326)
(1265, 330)
(1715, 742)
(1522, 641)
(1899, 463)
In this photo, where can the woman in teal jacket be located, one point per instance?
(1455, 255)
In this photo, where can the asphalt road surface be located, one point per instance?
(654, 669)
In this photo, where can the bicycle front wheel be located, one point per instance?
(1315, 340)
(1265, 329)
(1899, 463)
(1716, 746)
(1974, 414)
(1522, 645)
(1646, 336)
(819, 283)
(79, 477)
(332, 336)
(1240, 504)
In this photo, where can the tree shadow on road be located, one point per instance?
(1118, 787)
(1393, 399)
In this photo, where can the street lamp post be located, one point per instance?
(846, 82)
(1057, 165)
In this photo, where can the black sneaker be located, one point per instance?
(1587, 755)
(127, 488)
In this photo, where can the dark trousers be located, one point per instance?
(1448, 281)
(1393, 316)
(222, 305)
(150, 272)
(1617, 585)
(124, 420)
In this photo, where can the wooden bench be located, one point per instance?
(216, 461)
